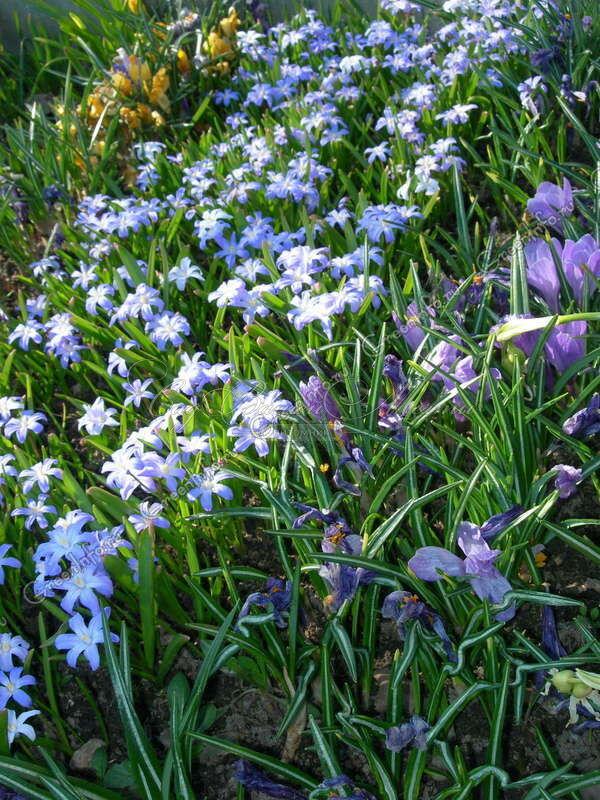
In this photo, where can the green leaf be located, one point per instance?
(141, 755)
(268, 763)
(147, 569)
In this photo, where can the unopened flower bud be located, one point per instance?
(563, 680)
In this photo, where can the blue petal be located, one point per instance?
(428, 562)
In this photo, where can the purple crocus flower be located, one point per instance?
(541, 270)
(276, 598)
(566, 344)
(478, 566)
(342, 579)
(318, 400)
(463, 374)
(412, 733)
(543, 58)
(566, 480)
(585, 422)
(330, 518)
(404, 606)
(552, 204)
(410, 328)
(354, 456)
(442, 357)
(392, 369)
(581, 263)
(256, 780)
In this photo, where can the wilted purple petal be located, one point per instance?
(479, 557)
(499, 522)
(326, 516)
(566, 480)
(403, 606)
(413, 732)
(8, 794)
(551, 643)
(276, 598)
(493, 588)
(392, 369)
(582, 727)
(585, 422)
(343, 781)
(428, 560)
(343, 582)
(410, 328)
(256, 780)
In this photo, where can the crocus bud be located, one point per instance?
(563, 681)
(512, 355)
(580, 690)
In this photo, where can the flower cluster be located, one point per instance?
(15, 650)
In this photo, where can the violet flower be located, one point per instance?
(541, 270)
(85, 639)
(326, 517)
(276, 598)
(318, 400)
(463, 376)
(552, 204)
(410, 328)
(392, 370)
(478, 567)
(585, 422)
(339, 782)
(566, 344)
(404, 606)
(566, 480)
(11, 687)
(412, 733)
(543, 58)
(442, 357)
(581, 264)
(342, 579)
(256, 780)
(354, 456)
